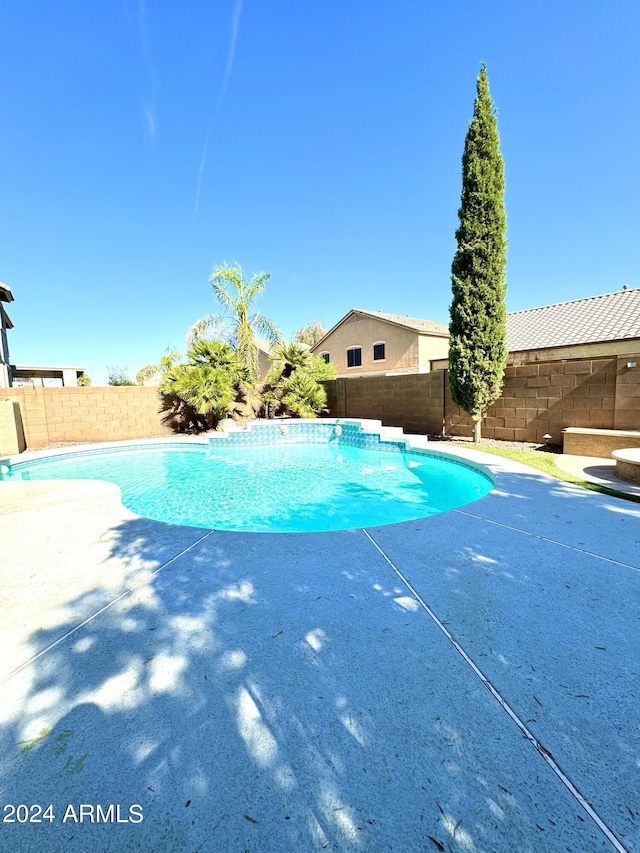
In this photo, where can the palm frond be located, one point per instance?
(148, 372)
(206, 389)
(267, 328)
(214, 326)
(171, 357)
(225, 280)
(227, 300)
(303, 396)
(256, 285)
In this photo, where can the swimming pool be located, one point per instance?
(292, 477)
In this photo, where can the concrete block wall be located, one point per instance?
(60, 415)
(414, 401)
(543, 399)
(12, 438)
(537, 399)
(627, 401)
(599, 442)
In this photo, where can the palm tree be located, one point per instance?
(288, 357)
(293, 383)
(216, 354)
(205, 388)
(302, 396)
(208, 390)
(237, 297)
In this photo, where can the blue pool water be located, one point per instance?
(296, 487)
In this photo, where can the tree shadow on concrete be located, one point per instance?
(269, 693)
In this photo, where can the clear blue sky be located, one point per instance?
(142, 143)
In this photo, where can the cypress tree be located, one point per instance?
(477, 344)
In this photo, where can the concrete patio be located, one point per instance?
(596, 469)
(467, 682)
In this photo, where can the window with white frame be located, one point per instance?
(379, 351)
(354, 357)
(325, 356)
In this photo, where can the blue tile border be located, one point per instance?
(104, 451)
(352, 435)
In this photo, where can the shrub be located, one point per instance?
(293, 384)
(119, 376)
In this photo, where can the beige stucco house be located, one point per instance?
(369, 343)
(571, 366)
(264, 357)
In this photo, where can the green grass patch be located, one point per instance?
(546, 462)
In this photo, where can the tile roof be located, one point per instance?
(611, 317)
(417, 325)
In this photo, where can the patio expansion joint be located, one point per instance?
(533, 740)
(547, 539)
(102, 609)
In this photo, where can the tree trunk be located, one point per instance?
(477, 431)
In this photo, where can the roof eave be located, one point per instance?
(584, 343)
(333, 328)
(7, 320)
(373, 316)
(399, 324)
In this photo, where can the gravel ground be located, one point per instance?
(494, 442)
